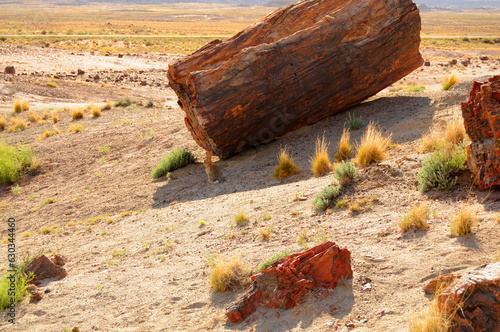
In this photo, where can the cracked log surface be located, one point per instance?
(300, 64)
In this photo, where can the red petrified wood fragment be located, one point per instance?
(284, 283)
(474, 300)
(481, 113)
(298, 65)
(43, 268)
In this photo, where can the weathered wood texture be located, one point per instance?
(481, 113)
(298, 65)
(284, 283)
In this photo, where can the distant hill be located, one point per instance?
(465, 4)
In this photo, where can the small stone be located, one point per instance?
(35, 296)
(427, 63)
(10, 70)
(484, 58)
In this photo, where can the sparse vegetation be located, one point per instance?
(21, 281)
(463, 222)
(55, 116)
(76, 128)
(77, 113)
(450, 80)
(286, 166)
(125, 102)
(108, 105)
(455, 131)
(273, 259)
(241, 218)
(373, 146)
(176, 159)
(52, 84)
(16, 190)
(346, 172)
(354, 123)
(49, 133)
(415, 218)
(320, 163)
(344, 149)
(226, 274)
(439, 169)
(96, 110)
(432, 141)
(15, 160)
(431, 319)
(21, 105)
(3, 122)
(49, 200)
(326, 197)
(16, 125)
(265, 233)
(413, 87)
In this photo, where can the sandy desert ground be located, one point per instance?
(143, 266)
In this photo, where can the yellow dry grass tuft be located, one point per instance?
(463, 222)
(21, 105)
(286, 166)
(96, 110)
(431, 141)
(415, 218)
(450, 80)
(3, 122)
(455, 131)
(77, 113)
(49, 133)
(320, 163)
(226, 274)
(373, 146)
(55, 116)
(76, 128)
(16, 124)
(431, 319)
(345, 149)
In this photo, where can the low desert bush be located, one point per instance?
(463, 222)
(373, 146)
(14, 162)
(21, 105)
(124, 102)
(77, 113)
(346, 172)
(320, 163)
(21, 280)
(354, 123)
(226, 274)
(439, 169)
(326, 197)
(415, 218)
(345, 149)
(450, 80)
(16, 125)
(96, 110)
(264, 265)
(3, 122)
(286, 166)
(76, 128)
(241, 218)
(265, 233)
(413, 87)
(49, 133)
(177, 158)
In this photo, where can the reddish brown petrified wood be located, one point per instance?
(481, 113)
(41, 268)
(284, 283)
(298, 65)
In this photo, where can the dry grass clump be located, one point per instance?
(52, 84)
(77, 113)
(226, 274)
(431, 319)
(21, 105)
(450, 80)
(455, 131)
(96, 110)
(76, 128)
(431, 141)
(3, 122)
(462, 223)
(108, 105)
(286, 166)
(320, 163)
(55, 116)
(16, 124)
(49, 133)
(241, 218)
(415, 218)
(373, 146)
(345, 149)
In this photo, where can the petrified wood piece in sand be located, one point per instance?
(284, 283)
(481, 113)
(300, 64)
(474, 300)
(43, 268)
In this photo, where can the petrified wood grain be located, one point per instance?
(284, 283)
(298, 65)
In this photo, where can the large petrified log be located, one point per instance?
(298, 65)
(284, 283)
(481, 113)
(473, 300)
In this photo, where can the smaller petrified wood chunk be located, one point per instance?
(284, 283)
(474, 300)
(481, 113)
(440, 282)
(43, 268)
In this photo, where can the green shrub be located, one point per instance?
(438, 169)
(326, 197)
(346, 172)
(124, 102)
(354, 123)
(21, 281)
(177, 158)
(14, 162)
(273, 259)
